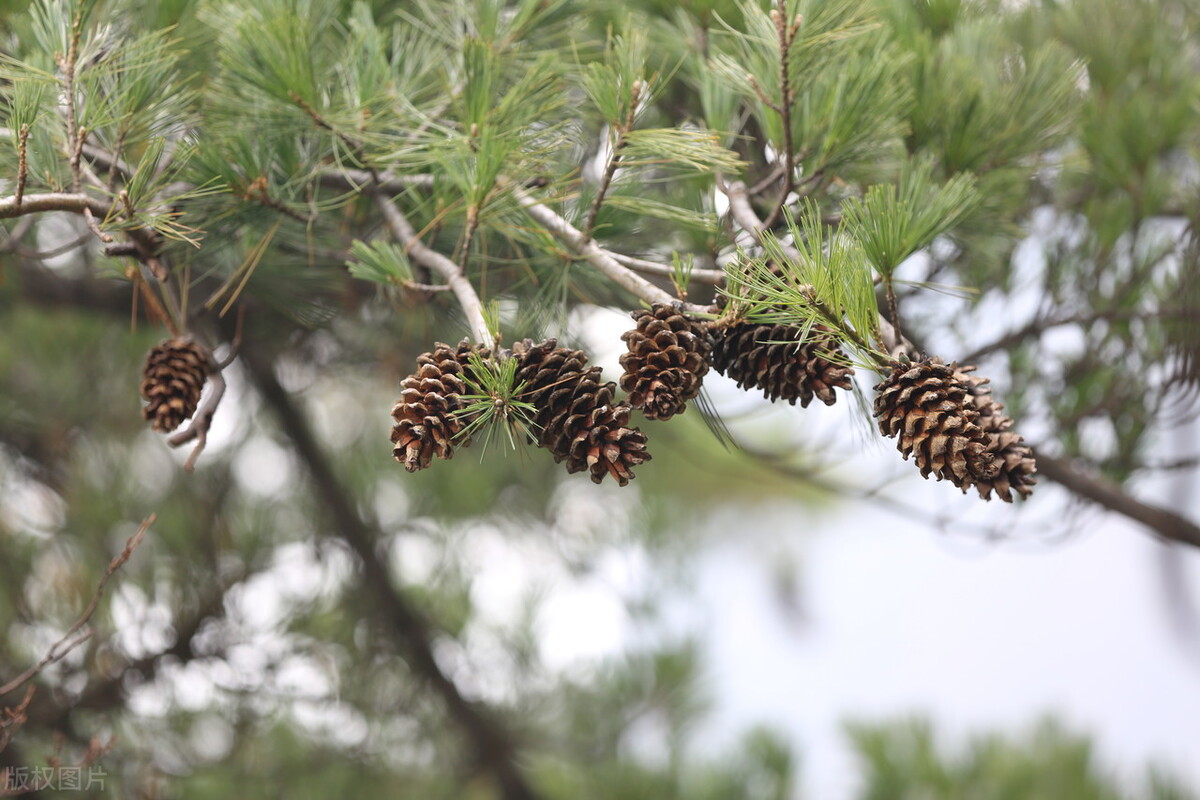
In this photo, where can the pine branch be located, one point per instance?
(356, 179)
(743, 213)
(76, 202)
(583, 247)
(464, 292)
(712, 277)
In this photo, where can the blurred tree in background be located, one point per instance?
(318, 191)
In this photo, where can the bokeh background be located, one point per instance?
(778, 606)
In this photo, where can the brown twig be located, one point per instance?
(76, 636)
(889, 291)
(614, 157)
(67, 65)
(786, 33)
(13, 718)
(22, 163)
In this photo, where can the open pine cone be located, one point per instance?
(1014, 457)
(172, 380)
(667, 358)
(926, 407)
(576, 418)
(771, 358)
(426, 420)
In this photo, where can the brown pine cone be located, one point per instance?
(574, 412)
(928, 408)
(426, 418)
(1015, 458)
(667, 359)
(771, 358)
(172, 380)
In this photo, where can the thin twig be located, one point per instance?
(14, 718)
(22, 163)
(786, 33)
(614, 158)
(76, 635)
(67, 65)
(197, 429)
(889, 291)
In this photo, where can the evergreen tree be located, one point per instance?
(972, 221)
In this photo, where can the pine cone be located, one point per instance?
(575, 415)
(667, 358)
(426, 420)
(172, 380)
(772, 358)
(932, 412)
(1017, 464)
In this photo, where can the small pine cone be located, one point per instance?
(667, 358)
(172, 380)
(426, 420)
(574, 412)
(770, 357)
(1017, 464)
(930, 409)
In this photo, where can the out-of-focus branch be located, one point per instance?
(76, 635)
(494, 749)
(1166, 524)
(1039, 325)
(76, 202)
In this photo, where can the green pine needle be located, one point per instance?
(492, 404)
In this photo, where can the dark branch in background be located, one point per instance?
(1039, 325)
(1167, 524)
(76, 636)
(493, 744)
